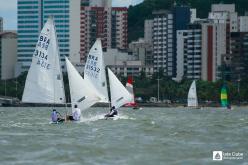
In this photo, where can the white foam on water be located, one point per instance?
(92, 118)
(101, 117)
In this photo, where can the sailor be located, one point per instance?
(56, 116)
(113, 112)
(75, 115)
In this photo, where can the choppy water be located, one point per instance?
(138, 137)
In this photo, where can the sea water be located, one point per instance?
(151, 136)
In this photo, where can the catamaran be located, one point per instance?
(192, 95)
(44, 82)
(224, 98)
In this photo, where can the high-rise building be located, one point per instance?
(225, 14)
(181, 19)
(148, 31)
(213, 47)
(31, 17)
(189, 52)
(163, 42)
(142, 50)
(8, 51)
(1, 24)
(237, 61)
(98, 20)
(243, 23)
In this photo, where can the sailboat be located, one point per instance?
(83, 94)
(119, 94)
(129, 87)
(224, 98)
(44, 82)
(94, 71)
(192, 95)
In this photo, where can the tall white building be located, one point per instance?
(243, 23)
(213, 47)
(32, 14)
(163, 41)
(148, 31)
(8, 52)
(189, 55)
(1, 24)
(225, 13)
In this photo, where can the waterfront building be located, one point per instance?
(189, 46)
(143, 51)
(8, 54)
(1, 24)
(163, 41)
(213, 47)
(31, 16)
(98, 20)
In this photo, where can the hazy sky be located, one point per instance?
(8, 10)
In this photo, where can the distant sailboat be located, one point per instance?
(94, 71)
(119, 94)
(224, 97)
(129, 87)
(44, 82)
(82, 93)
(192, 96)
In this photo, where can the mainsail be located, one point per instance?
(119, 94)
(94, 71)
(129, 87)
(44, 83)
(223, 96)
(192, 96)
(82, 93)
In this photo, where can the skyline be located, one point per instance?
(9, 11)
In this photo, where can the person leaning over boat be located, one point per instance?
(75, 115)
(56, 116)
(113, 112)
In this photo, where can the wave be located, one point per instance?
(97, 117)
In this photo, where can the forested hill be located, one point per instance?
(137, 14)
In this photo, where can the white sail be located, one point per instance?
(44, 83)
(82, 93)
(192, 96)
(94, 71)
(119, 94)
(129, 87)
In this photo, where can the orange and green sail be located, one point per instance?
(223, 97)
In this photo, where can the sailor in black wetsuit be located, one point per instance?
(113, 112)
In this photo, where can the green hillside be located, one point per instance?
(137, 14)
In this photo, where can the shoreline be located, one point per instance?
(166, 105)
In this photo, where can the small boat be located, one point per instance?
(129, 87)
(82, 93)
(192, 96)
(224, 98)
(118, 93)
